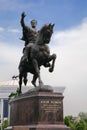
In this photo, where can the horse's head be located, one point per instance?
(45, 34)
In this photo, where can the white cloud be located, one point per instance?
(70, 68)
(1, 29)
(9, 60)
(13, 30)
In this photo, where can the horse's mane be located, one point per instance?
(39, 39)
(43, 27)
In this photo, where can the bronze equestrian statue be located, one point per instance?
(35, 54)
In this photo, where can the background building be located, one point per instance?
(6, 88)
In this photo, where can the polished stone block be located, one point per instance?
(37, 110)
(41, 127)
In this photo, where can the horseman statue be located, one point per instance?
(36, 52)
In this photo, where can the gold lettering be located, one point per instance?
(44, 102)
(50, 105)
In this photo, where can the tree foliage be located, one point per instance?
(67, 120)
(80, 124)
(4, 125)
(83, 116)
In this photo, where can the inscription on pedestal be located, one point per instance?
(51, 109)
(50, 106)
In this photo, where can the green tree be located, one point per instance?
(72, 125)
(83, 116)
(80, 125)
(4, 125)
(67, 120)
(75, 125)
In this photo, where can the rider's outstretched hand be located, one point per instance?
(23, 15)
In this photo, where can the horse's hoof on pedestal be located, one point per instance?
(19, 91)
(33, 83)
(41, 84)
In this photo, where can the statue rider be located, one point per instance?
(29, 34)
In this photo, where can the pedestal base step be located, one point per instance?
(41, 127)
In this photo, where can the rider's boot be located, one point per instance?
(25, 56)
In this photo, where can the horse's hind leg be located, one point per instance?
(34, 80)
(25, 79)
(37, 71)
(20, 83)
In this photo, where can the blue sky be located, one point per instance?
(64, 13)
(69, 42)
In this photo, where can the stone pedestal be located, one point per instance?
(37, 110)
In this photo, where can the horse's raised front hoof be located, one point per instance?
(50, 69)
(54, 56)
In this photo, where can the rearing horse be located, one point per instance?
(38, 55)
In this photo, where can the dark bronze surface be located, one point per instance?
(36, 52)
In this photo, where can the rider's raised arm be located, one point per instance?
(22, 20)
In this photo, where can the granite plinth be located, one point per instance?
(37, 109)
(42, 127)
